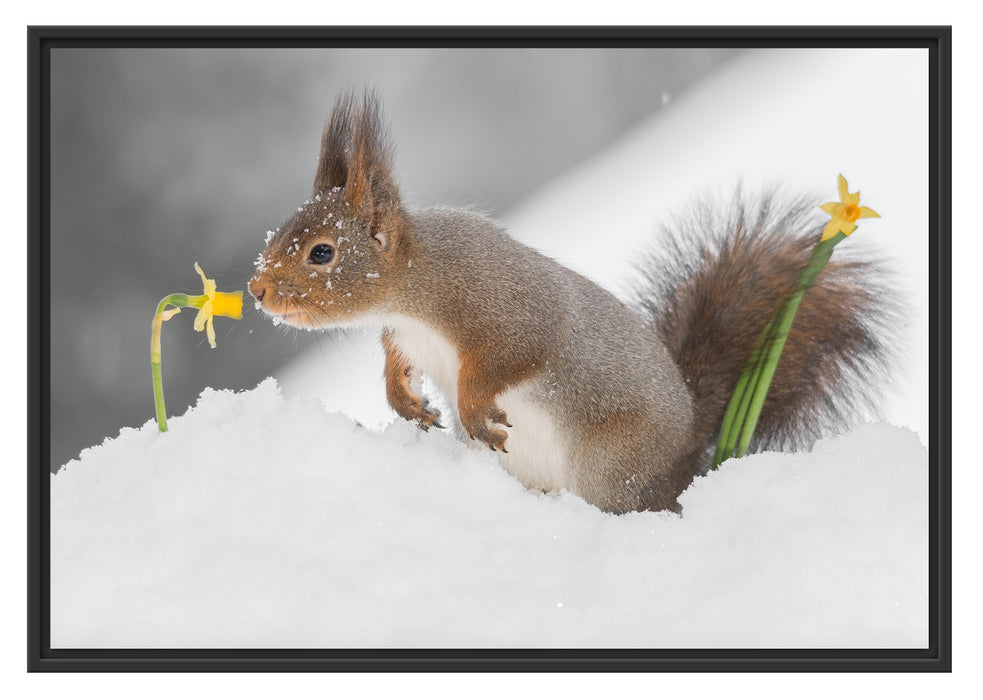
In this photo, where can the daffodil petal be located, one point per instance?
(203, 315)
(228, 304)
(170, 313)
(853, 199)
(867, 213)
(832, 228)
(831, 208)
(841, 186)
(848, 227)
(216, 304)
(208, 284)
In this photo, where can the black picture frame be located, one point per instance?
(935, 657)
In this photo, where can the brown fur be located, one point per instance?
(477, 388)
(624, 439)
(718, 280)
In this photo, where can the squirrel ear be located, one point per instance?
(356, 154)
(369, 175)
(380, 203)
(369, 184)
(379, 235)
(332, 161)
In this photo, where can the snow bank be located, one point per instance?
(264, 521)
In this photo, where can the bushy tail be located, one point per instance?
(715, 283)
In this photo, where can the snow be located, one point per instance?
(261, 520)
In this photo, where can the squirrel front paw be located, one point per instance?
(477, 423)
(399, 393)
(425, 416)
(415, 408)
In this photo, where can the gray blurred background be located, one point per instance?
(160, 158)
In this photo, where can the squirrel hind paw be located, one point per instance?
(494, 442)
(478, 422)
(495, 439)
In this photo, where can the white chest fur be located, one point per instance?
(537, 452)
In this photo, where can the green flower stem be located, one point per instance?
(158, 391)
(744, 408)
(741, 398)
(177, 301)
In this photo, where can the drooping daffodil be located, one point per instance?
(845, 212)
(214, 303)
(210, 304)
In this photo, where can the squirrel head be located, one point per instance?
(336, 258)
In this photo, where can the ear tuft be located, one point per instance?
(369, 174)
(332, 162)
(356, 154)
(355, 148)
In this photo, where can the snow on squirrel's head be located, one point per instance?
(332, 261)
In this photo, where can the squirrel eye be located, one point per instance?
(321, 254)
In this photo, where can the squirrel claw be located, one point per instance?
(495, 439)
(420, 411)
(496, 448)
(428, 419)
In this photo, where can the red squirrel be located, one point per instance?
(572, 388)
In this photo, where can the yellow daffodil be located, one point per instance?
(214, 303)
(210, 304)
(845, 212)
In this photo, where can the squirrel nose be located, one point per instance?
(257, 289)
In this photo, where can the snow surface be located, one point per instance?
(264, 521)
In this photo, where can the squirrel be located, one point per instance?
(573, 388)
